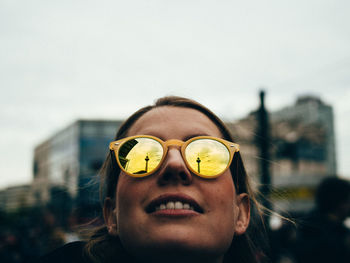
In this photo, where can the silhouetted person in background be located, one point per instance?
(323, 237)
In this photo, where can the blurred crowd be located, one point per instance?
(27, 235)
(320, 235)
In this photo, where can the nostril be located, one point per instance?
(174, 176)
(166, 176)
(174, 169)
(183, 176)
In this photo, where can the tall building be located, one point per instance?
(70, 160)
(312, 110)
(302, 151)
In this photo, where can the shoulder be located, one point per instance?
(69, 253)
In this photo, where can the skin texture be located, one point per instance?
(205, 236)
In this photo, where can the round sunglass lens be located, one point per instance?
(207, 157)
(140, 155)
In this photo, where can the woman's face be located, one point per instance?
(219, 212)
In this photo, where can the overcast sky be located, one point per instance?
(64, 60)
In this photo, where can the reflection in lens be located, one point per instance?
(207, 157)
(140, 155)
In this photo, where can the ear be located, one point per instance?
(243, 213)
(110, 216)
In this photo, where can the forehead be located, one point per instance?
(169, 122)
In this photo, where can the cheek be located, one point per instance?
(126, 196)
(130, 196)
(223, 192)
(221, 197)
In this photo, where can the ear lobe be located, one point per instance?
(110, 216)
(243, 217)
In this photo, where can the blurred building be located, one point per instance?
(302, 151)
(70, 160)
(16, 197)
(311, 110)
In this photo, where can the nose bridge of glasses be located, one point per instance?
(174, 142)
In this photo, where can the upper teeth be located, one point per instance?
(174, 205)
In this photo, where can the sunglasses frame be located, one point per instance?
(116, 145)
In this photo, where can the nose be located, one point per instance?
(174, 169)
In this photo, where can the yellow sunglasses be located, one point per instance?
(142, 155)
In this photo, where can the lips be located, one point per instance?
(173, 202)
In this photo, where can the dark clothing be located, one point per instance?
(110, 251)
(69, 253)
(322, 240)
(107, 251)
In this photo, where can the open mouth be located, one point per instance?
(173, 202)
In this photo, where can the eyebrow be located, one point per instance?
(195, 135)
